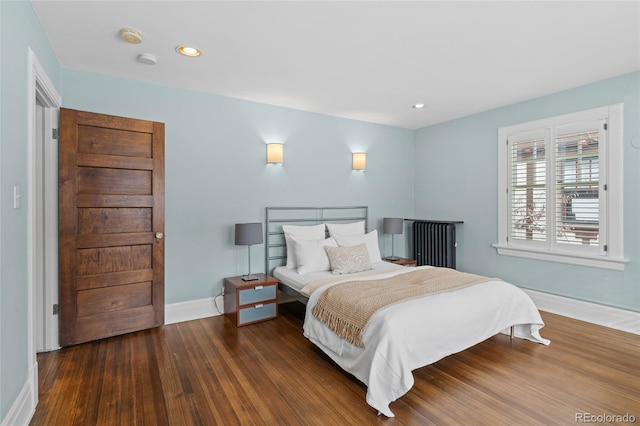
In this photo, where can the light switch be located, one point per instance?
(16, 197)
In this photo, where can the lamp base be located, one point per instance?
(249, 277)
(392, 258)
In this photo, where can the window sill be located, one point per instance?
(616, 264)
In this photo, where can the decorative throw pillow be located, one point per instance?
(347, 260)
(370, 239)
(312, 232)
(354, 228)
(310, 255)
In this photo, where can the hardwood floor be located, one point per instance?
(208, 372)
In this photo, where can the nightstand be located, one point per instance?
(403, 261)
(247, 302)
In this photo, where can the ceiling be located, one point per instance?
(368, 61)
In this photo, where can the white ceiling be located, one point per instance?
(368, 61)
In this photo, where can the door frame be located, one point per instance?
(42, 243)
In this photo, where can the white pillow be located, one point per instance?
(310, 255)
(312, 232)
(347, 260)
(338, 229)
(370, 239)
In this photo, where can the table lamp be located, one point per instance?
(248, 234)
(392, 225)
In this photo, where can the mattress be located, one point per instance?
(291, 278)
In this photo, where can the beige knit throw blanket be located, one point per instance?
(346, 308)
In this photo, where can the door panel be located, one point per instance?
(94, 180)
(114, 220)
(107, 299)
(111, 207)
(105, 260)
(96, 140)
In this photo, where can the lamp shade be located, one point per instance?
(275, 153)
(359, 161)
(248, 234)
(392, 225)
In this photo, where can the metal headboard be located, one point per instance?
(276, 249)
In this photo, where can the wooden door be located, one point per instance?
(111, 225)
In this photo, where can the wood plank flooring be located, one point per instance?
(209, 372)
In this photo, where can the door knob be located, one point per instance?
(159, 235)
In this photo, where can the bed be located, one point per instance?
(398, 337)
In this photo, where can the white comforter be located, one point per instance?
(412, 334)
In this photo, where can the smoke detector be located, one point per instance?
(147, 59)
(131, 35)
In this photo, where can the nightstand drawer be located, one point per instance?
(257, 313)
(248, 302)
(256, 294)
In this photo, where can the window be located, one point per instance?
(560, 189)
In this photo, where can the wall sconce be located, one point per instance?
(275, 153)
(359, 161)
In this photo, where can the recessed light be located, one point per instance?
(418, 106)
(188, 51)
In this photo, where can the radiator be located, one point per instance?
(434, 243)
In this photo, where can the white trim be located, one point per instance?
(191, 310)
(607, 316)
(202, 308)
(48, 89)
(51, 265)
(560, 120)
(615, 176)
(39, 84)
(562, 257)
(611, 214)
(24, 406)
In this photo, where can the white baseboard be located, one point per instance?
(24, 406)
(192, 310)
(608, 316)
(202, 308)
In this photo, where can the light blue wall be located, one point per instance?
(216, 174)
(456, 178)
(20, 29)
